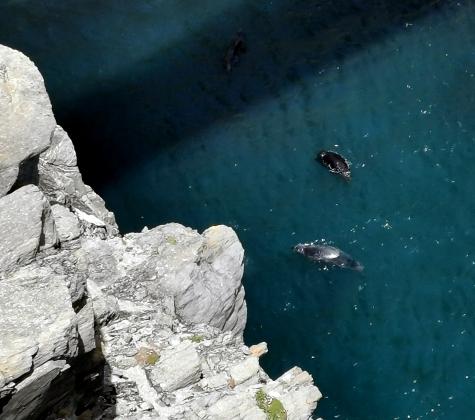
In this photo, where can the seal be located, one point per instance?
(335, 162)
(327, 254)
(234, 52)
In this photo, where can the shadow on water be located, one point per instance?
(136, 105)
(130, 79)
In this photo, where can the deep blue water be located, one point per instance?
(164, 134)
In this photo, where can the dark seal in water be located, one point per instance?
(234, 52)
(336, 163)
(327, 254)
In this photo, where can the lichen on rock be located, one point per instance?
(272, 407)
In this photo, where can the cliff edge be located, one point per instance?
(95, 325)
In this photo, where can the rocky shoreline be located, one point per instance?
(97, 325)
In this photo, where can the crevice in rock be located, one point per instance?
(4, 401)
(88, 391)
(79, 304)
(27, 173)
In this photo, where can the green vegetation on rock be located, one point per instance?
(197, 338)
(147, 357)
(171, 240)
(271, 406)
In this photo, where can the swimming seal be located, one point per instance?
(336, 163)
(328, 255)
(234, 52)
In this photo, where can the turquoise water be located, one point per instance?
(164, 134)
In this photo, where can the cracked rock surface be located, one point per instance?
(95, 325)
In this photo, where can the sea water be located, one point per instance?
(164, 134)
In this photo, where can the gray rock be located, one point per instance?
(31, 393)
(216, 381)
(27, 119)
(296, 391)
(69, 263)
(240, 406)
(37, 322)
(67, 223)
(104, 307)
(27, 226)
(85, 323)
(61, 152)
(201, 272)
(245, 370)
(258, 350)
(178, 367)
(212, 293)
(8, 176)
(61, 181)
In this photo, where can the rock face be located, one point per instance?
(26, 121)
(27, 226)
(154, 318)
(60, 180)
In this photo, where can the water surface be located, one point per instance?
(164, 134)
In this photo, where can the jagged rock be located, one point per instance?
(258, 350)
(26, 121)
(37, 322)
(61, 181)
(201, 273)
(240, 406)
(85, 323)
(8, 177)
(104, 307)
(27, 226)
(67, 223)
(296, 391)
(177, 368)
(220, 259)
(73, 267)
(216, 381)
(30, 393)
(245, 370)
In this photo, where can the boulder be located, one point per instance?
(296, 391)
(27, 119)
(211, 291)
(178, 367)
(37, 322)
(258, 350)
(27, 227)
(67, 223)
(245, 370)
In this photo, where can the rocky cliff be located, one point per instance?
(98, 325)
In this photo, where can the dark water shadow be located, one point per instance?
(182, 88)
